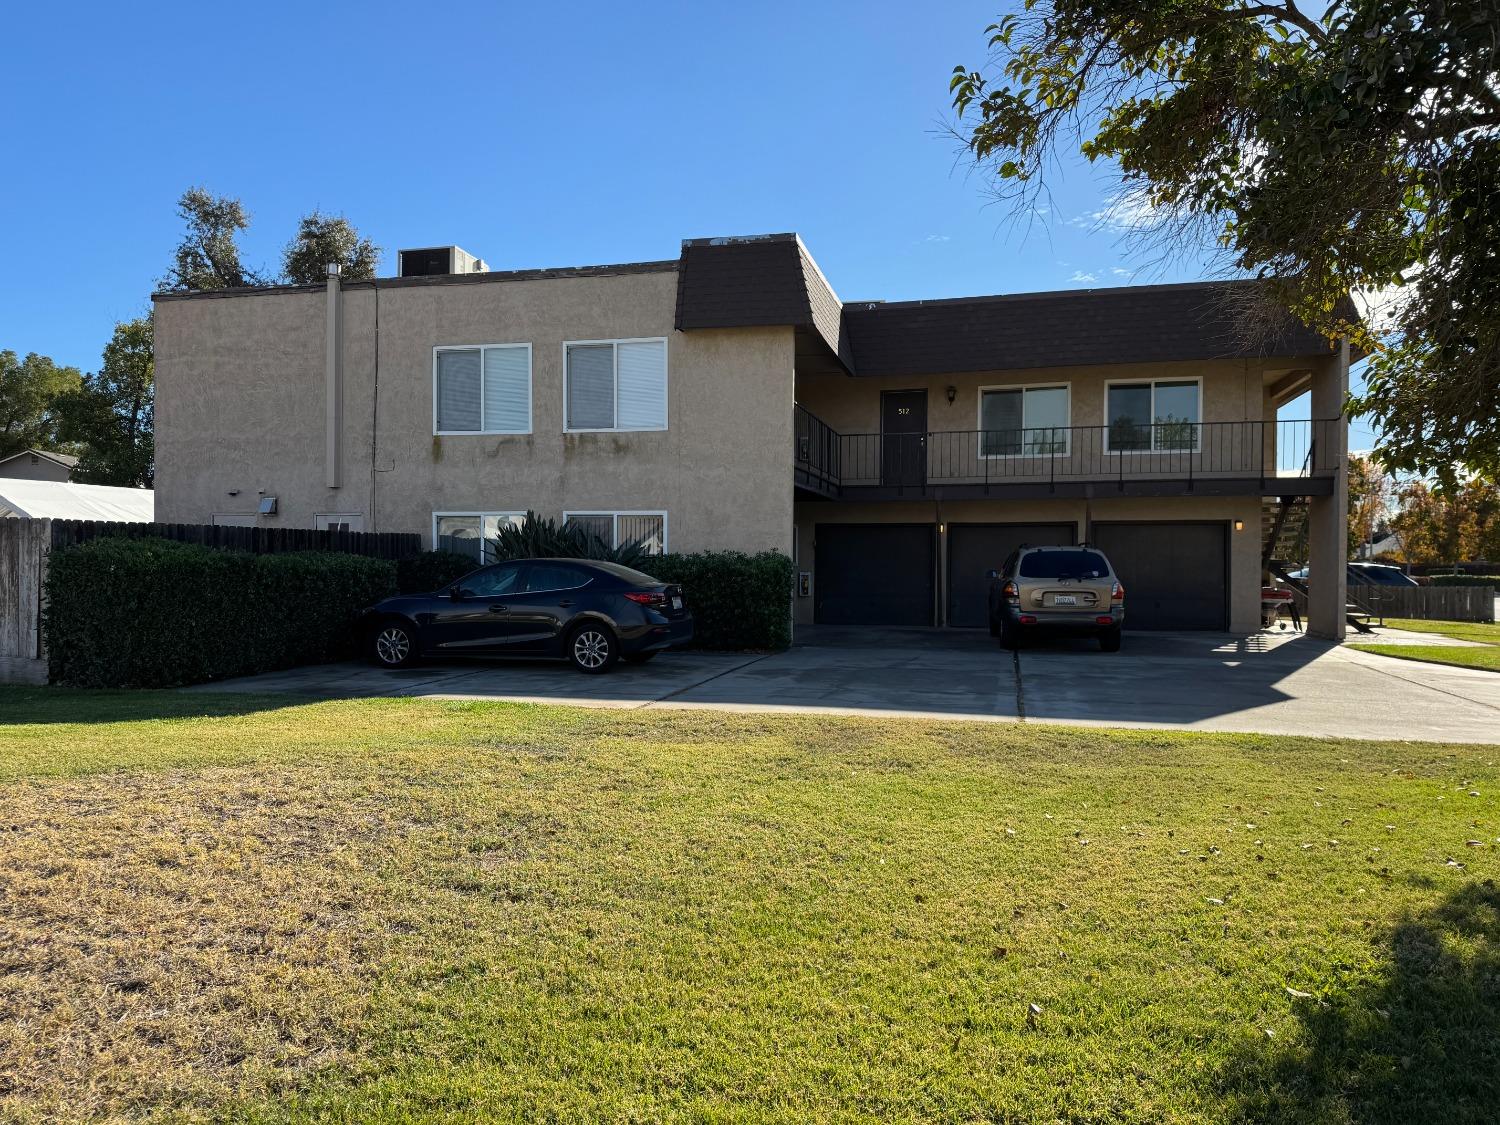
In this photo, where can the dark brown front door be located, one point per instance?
(903, 429)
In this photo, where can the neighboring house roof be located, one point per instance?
(66, 460)
(772, 280)
(61, 500)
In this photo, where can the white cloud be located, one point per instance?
(1118, 272)
(936, 238)
(1380, 307)
(1123, 212)
(1080, 276)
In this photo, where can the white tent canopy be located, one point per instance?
(62, 500)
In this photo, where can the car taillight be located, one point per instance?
(651, 598)
(1117, 592)
(1010, 590)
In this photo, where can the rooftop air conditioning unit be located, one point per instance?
(430, 261)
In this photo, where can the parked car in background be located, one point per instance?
(591, 614)
(1066, 589)
(1368, 574)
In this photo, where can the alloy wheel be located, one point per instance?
(393, 646)
(591, 649)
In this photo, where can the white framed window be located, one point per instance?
(469, 533)
(1153, 416)
(481, 389)
(615, 385)
(1024, 421)
(339, 521)
(619, 528)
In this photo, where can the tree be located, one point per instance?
(209, 255)
(328, 238)
(1448, 522)
(28, 389)
(112, 415)
(1358, 151)
(1369, 500)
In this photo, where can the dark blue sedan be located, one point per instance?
(590, 613)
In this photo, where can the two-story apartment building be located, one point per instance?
(727, 399)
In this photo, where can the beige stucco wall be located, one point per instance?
(1244, 545)
(241, 406)
(1233, 391)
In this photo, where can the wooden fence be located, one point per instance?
(1427, 603)
(23, 566)
(256, 540)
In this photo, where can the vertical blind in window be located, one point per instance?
(618, 385)
(1029, 420)
(617, 529)
(484, 390)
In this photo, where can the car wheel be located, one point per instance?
(393, 644)
(639, 657)
(1110, 641)
(592, 648)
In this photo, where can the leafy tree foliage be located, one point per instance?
(328, 238)
(538, 537)
(1358, 151)
(1448, 522)
(1370, 494)
(111, 415)
(209, 255)
(28, 389)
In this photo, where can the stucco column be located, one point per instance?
(1327, 531)
(334, 380)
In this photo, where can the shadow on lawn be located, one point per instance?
(1420, 1044)
(78, 705)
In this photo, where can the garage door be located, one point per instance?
(873, 573)
(975, 549)
(1176, 575)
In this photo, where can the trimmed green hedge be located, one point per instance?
(154, 613)
(432, 570)
(1464, 580)
(738, 601)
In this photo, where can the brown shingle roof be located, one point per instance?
(1131, 324)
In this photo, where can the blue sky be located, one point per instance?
(531, 135)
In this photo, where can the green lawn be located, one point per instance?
(1486, 634)
(241, 909)
(1483, 632)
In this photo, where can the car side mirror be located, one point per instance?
(992, 575)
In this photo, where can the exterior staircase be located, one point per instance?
(1283, 532)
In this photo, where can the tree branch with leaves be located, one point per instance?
(1355, 152)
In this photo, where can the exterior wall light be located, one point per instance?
(952, 395)
(1239, 525)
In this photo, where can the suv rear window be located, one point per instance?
(1064, 564)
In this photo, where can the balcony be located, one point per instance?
(1252, 458)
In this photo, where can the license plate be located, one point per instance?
(1064, 599)
(676, 603)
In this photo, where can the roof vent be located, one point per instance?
(430, 261)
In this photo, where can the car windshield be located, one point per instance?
(1064, 564)
(1383, 576)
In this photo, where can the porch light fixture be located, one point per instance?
(952, 395)
(1239, 525)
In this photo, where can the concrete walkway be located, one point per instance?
(1273, 683)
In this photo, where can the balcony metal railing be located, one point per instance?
(828, 461)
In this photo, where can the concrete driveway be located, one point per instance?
(1274, 683)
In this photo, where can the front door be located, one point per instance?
(903, 429)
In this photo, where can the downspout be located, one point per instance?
(333, 376)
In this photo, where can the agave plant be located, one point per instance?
(537, 537)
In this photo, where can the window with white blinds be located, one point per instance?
(649, 529)
(616, 385)
(482, 390)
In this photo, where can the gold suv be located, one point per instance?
(1072, 589)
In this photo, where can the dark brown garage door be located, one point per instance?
(975, 549)
(874, 573)
(1176, 575)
